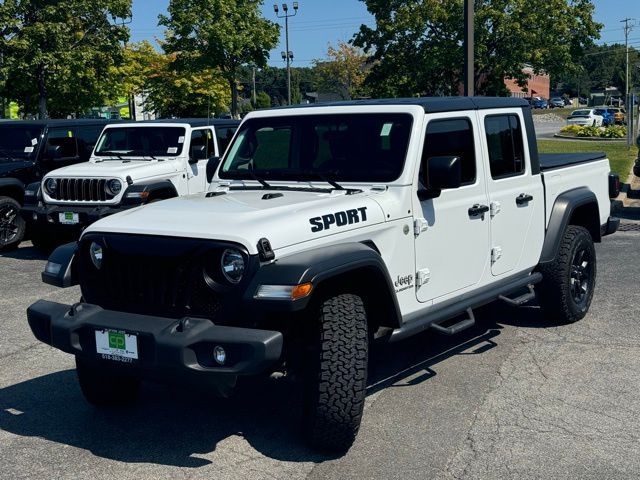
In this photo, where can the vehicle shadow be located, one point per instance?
(174, 425)
(25, 252)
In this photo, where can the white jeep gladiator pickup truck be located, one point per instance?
(132, 164)
(326, 228)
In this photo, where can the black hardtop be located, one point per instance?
(196, 122)
(66, 122)
(431, 104)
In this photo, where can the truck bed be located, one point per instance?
(549, 161)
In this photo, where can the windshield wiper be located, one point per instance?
(324, 176)
(111, 154)
(262, 181)
(140, 153)
(8, 156)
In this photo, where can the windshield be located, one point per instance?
(580, 112)
(141, 141)
(19, 142)
(342, 148)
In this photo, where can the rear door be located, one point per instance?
(452, 242)
(201, 138)
(515, 193)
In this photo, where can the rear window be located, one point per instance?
(581, 112)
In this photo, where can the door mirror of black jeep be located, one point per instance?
(198, 152)
(440, 174)
(212, 166)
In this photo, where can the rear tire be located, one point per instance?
(566, 290)
(101, 387)
(12, 225)
(337, 374)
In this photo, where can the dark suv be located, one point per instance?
(28, 151)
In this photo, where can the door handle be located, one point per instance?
(523, 198)
(478, 209)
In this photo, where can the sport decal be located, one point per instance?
(339, 219)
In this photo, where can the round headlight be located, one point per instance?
(95, 252)
(232, 263)
(51, 186)
(114, 186)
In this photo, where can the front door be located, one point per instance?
(452, 230)
(197, 172)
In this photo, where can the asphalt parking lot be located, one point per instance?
(514, 398)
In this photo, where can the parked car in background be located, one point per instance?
(619, 115)
(556, 102)
(585, 117)
(539, 103)
(28, 151)
(606, 114)
(133, 164)
(582, 101)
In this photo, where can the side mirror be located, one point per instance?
(197, 153)
(54, 152)
(440, 173)
(212, 166)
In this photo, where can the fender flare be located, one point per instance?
(563, 209)
(140, 193)
(60, 270)
(318, 266)
(12, 184)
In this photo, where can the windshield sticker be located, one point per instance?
(28, 149)
(209, 134)
(172, 150)
(69, 133)
(34, 141)
(386, 129)
(180, 140)
(339, 219)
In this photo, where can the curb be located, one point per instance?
(591, 139)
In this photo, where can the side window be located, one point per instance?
(199, 139)
(87, 138)
(224, 136)
(506, 149)
(452, 138)
(64, 139)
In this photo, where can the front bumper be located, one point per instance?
(167, 348)
(49, 215)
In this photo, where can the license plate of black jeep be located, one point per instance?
(116, 345)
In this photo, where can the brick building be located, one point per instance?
(538, 85)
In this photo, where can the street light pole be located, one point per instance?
(289, 54)
(469, 72)
(629, 102)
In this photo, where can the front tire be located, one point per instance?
(337, 375)
(44, 241)
(12, 225)
(104, 388)
(566, 290)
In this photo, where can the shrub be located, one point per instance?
(612, 131)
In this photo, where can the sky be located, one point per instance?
(319, 23)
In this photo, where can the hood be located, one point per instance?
(136, 169)
(245, 217)
(8, 167)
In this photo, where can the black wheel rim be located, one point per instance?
(9, 227)
(580, 279)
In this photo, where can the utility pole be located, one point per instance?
(469, 41)
(628, 100)
(288, 54)
(253, 95)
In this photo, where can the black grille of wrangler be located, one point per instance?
(148, 282)
(81, 190)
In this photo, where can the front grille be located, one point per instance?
(158, 276)
(81, 190)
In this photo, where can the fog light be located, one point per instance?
(219, 355)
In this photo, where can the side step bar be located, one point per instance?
(521, 300)
(423, 320)
(470, 321)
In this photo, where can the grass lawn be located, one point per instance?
(620, 157)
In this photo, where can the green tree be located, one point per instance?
(224, 34)
(343, 71)
(263, 100)
(60, 50)
(417, 44)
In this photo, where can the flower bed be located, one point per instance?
(612, 131)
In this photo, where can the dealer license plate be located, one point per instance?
(68, 218)
(117, 345)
